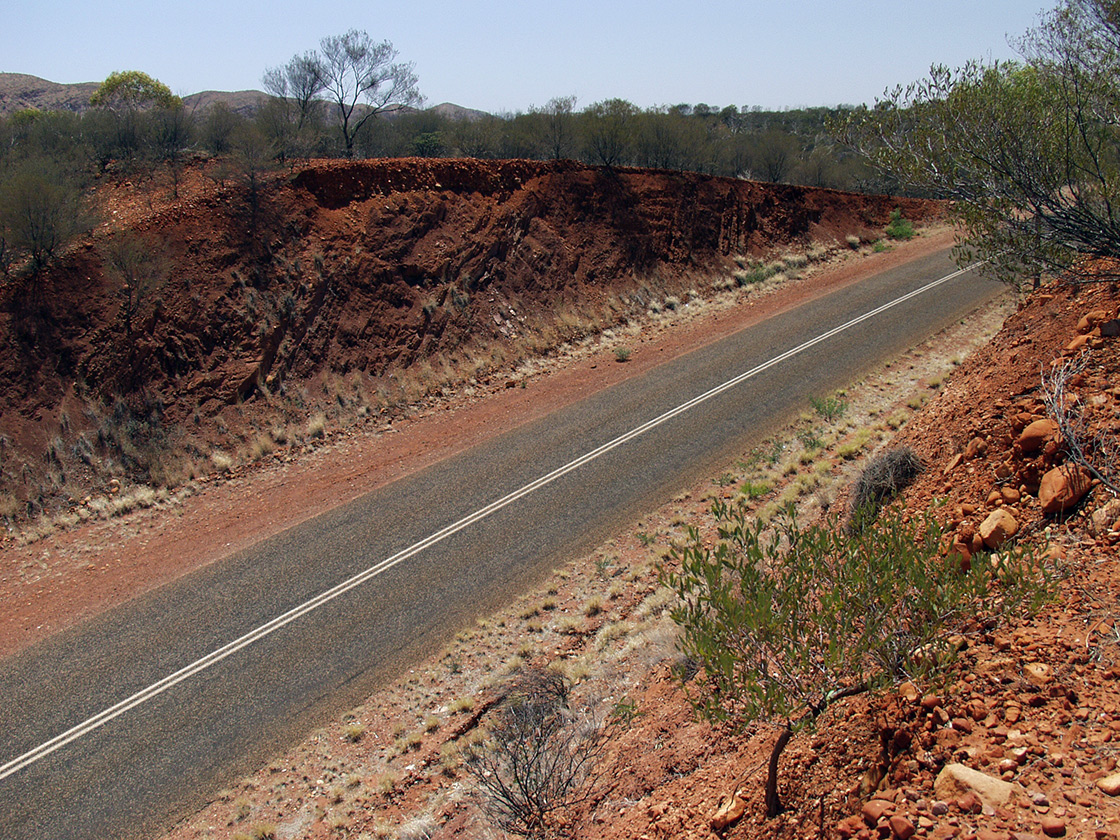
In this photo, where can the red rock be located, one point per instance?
(1075, 345)
(1063, 487)
(730, 812)
(874, 811)
(1053, 826)
(956, 781)
(1110, 784)
(849, 827)
(999, 525)
(902, 828)
(977, 447)
(970, 803)
(1032, 438)
(1091, 319)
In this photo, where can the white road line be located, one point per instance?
(249, 638)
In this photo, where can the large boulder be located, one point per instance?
(1063, 487)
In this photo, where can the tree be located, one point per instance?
(609, 127)
(140, 269)
(558, 126)
(133, 91)
(126, 96)
(1029, 151)
(41, 209)
(358, 70)
(295, 106)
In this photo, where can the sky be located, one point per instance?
(505, 56)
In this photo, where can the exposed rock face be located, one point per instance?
(1063, 487)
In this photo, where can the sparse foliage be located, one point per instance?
(356, 69)
(1029, 151)
(539, 756)
(786, 623)
(140, 268)
(41, 208)
(1098, 452)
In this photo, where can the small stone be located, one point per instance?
(970, 803)
(957, 780)
(849, 827)
(1110, 784)
(1032, 438)
(1040, 800)
(977, 447)
(1091, 319)
(909, 692)
(999, 525)
(939, 808)
(1063, 487)
(1037, 673)
(730, 812)
(874, 811)
(1053, 826)
(902, 828)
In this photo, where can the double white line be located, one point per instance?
(157, 688)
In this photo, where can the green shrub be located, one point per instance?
(786, 623)
(829, 408)
(898, 227)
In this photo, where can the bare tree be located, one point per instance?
(141, 270)
(558, 126)
(1028, 151)
(539, 758)
(357, 70)
(295, 89)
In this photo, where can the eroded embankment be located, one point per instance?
(257, 308)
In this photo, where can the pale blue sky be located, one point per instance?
(505, 55)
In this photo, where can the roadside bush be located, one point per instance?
(882, 478)
(898, 227)
(786, 623)
(829, 408)
(538, 757)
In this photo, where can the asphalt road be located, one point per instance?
(135, 773)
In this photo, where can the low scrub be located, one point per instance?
(786, 622)
(882, 478)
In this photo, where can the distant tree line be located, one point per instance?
(351, 98)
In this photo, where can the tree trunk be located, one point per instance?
(773, 802)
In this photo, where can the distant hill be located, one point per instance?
(19, 90)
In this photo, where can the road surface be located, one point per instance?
(412, 562)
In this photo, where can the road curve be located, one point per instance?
(133, 773)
